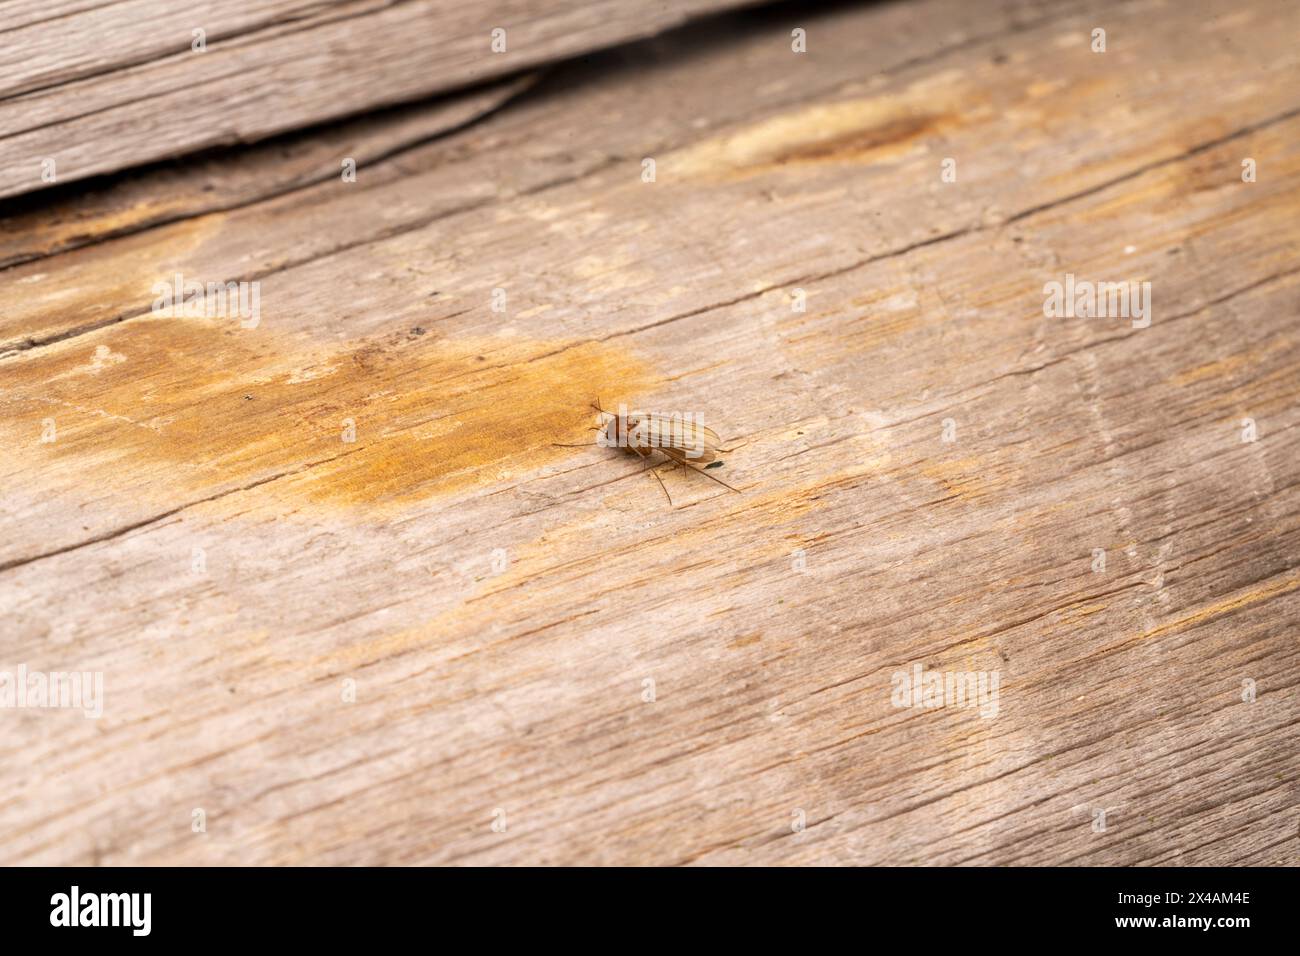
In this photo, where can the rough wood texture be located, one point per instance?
(47, 223)
(103, 88)
(517, 692)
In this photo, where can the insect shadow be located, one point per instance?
(684, 443)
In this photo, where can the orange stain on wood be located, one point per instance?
(967, 479)
(855, 132)
(99, 284)
(1230, 365)
(155, 406)
(1217, 609)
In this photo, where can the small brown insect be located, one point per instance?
(683, 441)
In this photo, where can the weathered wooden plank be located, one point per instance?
(23, 13)
(541, 142)
(43, 225)
(45, 47)
(108, 88)
(522, 688)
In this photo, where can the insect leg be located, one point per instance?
(663, 486)
(713, 478)
(595, 428)
(680, 457)
(651, 466)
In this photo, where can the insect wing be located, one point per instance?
(685, 436)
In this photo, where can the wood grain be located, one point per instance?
(224, 180)
(108, 87)
(499, 604)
